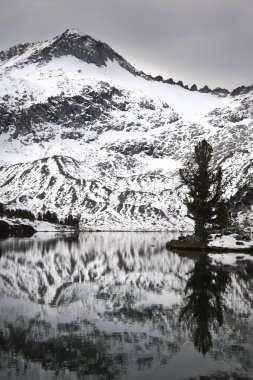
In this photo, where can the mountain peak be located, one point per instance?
(73, 34)
(73, 31)
(82, 46)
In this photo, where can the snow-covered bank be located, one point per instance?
(217, 243)
(232, 241)
(39, 226)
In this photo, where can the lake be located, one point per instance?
(118, 305)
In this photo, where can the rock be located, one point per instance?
(205, 89)
(15, 230)
(194, 88)
(220, 91)
(159, 78)
(243, 237)
(241, 90)
(180, 83)
(243, 198)
(239, 243)
(170, 81)
(226, 233)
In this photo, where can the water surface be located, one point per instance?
(120, 306)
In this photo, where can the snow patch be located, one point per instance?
(229, 241)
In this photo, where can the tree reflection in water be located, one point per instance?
(203, 308)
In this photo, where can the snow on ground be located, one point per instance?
(70, 75)
(229, 241)
(166, 164)
(41, 226)
(38, 225)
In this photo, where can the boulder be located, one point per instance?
(15, 230)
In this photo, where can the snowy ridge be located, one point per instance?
(74, 112)
(119, 203)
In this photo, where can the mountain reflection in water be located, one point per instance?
(120, 306)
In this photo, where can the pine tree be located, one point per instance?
(71, 221)
(1, 210)
(205, 189)
(50, 217)
(223, 217)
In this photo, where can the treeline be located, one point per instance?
(19, 213)
(16, 213)
(52, 217)
(47, 216)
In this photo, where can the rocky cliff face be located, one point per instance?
(82, 131)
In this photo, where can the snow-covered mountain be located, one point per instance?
(82, 131)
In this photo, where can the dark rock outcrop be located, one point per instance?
(14, 51)
(205, 90)
(59, 110)
(241, 90)
(83, 47)
(220, 91)
(193, 88)
(15, 230)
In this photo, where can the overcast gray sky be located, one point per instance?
(196, 41)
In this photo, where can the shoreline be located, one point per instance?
(188, 248)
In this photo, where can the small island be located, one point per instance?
(214, 230)
(220, 243)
